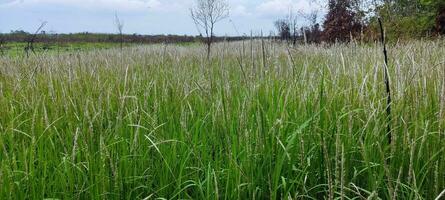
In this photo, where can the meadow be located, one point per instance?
(12, 49)
(259, 120)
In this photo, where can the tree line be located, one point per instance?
(348, 20)
(45, 37)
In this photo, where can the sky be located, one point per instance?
(143, 16)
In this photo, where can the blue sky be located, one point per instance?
(142, 16)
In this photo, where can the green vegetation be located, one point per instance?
(17, 48)
(412, 18)
(349, 20)
(163, 122)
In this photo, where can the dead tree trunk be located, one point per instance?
(30, 42)
(387, 85)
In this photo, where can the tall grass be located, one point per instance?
(263, 122)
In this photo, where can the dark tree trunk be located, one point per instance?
(440, 22)
(122, 41)
(209, 44)
(387, 84)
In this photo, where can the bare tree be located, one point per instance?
(294, 25)
(120, 27)
(206, 14)
(292, 22)
(31, 40)
(284, 29)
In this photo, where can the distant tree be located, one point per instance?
(32, 39)
(341, 22)
(283, 28)
(292, 21)
(311, 32)
(19, 32)
(120, 27)
(206, 14)
(287, 28)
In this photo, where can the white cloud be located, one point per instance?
(239, 10)
(282, 7)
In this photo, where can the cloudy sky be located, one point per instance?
(142, 16)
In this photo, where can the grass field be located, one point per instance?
(18, 48)
(255, 122)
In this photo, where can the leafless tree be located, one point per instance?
(311, 18)
(120, 27)
(287, 27)
(206, 14)
(31, 40)
(292, 21)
